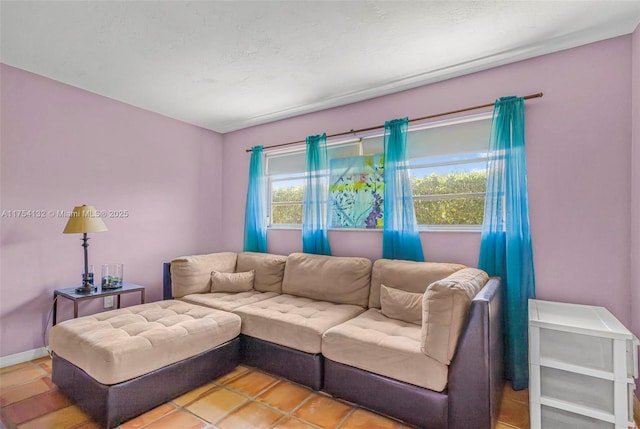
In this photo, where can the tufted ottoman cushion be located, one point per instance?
(389, 347)
(293, 321)
(119, 345)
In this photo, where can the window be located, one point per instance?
(286, 200)
(286, 172)
(448, 170)
(448, 163)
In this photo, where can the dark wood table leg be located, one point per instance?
(75, 308)
(142, 296)
(118, 301)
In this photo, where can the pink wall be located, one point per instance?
(635, 188)
(61, 147)
(578, 149)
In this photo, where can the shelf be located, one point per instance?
(577, 409)
(579, 369)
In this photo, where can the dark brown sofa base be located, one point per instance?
(111, 405)
(303, 368)
(414, 405)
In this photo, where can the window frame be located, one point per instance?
(452, 227)
(359, 139)
(270, 180)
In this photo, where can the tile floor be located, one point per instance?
(245, 398)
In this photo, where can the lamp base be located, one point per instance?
(87, 288)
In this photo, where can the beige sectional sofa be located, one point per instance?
(417, 341)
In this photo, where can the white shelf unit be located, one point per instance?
(582, 365)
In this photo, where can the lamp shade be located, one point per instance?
(84, 219)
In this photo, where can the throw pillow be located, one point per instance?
(232, 282)
(401, 305)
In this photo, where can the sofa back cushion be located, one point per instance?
(269, 270)
(445, 305)
(192, 274)
(409, 276)
(342, 280)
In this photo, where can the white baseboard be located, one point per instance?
(23, 357)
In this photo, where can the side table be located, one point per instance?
(70, 293)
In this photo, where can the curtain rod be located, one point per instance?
(362, 130)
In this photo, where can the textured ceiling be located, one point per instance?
(230, 65)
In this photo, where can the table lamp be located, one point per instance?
(82, 220)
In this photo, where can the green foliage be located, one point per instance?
(450, 211)
(287, 214)
(438, 211)
(291, 193)
(453, 183)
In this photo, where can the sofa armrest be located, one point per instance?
(476, 373)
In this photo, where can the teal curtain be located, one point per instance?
(505, 247)
(400, 236)
(255, 216)
(316, 193)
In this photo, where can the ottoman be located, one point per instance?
(121, 363)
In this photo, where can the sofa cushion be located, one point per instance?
(269, 270)
(192, 274)
(409, 276)
(342, 280)
(401, 305)
(445, 305)
(232, 282)
(227, 301)
(122, 344)
(384, 346)
(293, 321)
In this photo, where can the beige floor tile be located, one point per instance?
(514, 413)
(251, 416)
(148, 417)
(14, 394)
(361, 419)
(36, 406)
(65, 418)
(191, 396)
(252, 383)
(21, 376)
(177, 419)
(501, 425)
(44, 363)
(89, 425)
(516, 395)
(292, 423)
(15, 367)
(284, 396)
(322, 411)
(215, 405)
(237, 372)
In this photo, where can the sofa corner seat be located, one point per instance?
(473, 391)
